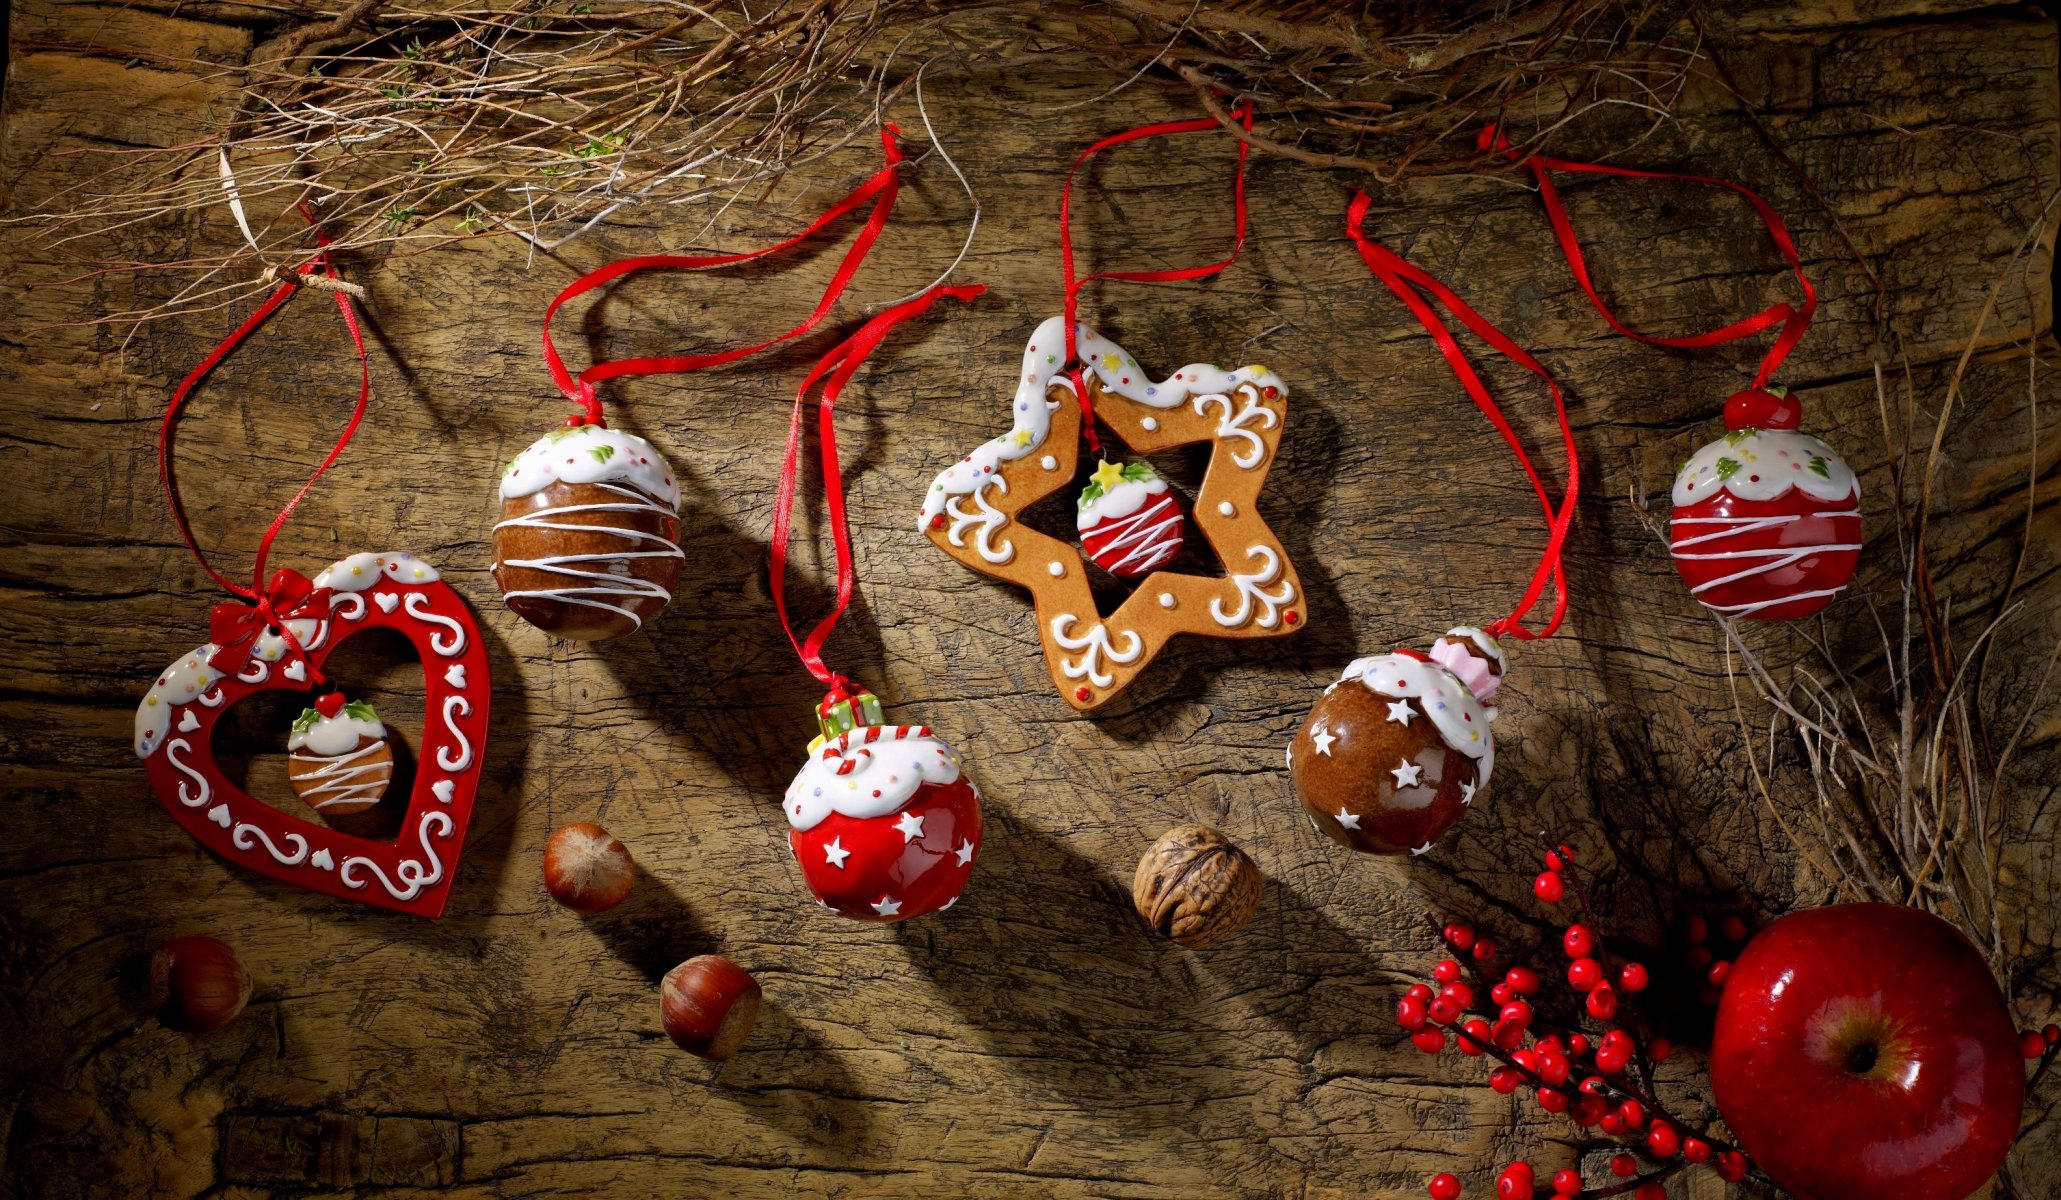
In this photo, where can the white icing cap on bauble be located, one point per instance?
(1461, 718)
(1762, 464)
(868, 772)
(331, 736)
(592, 454)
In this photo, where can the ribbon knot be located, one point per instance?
(234, 626)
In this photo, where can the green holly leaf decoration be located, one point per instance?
(305, 721)
(563, 432)
(1140, 472)
(601, 452)
(1736, 436)
(1820, 467)
(1776, 391)
(1727, 467)
(358, 710)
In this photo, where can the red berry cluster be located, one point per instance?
(1600, 1077)
(1703, 955)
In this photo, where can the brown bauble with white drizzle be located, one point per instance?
(588, 544)
(337, 757)
(1394, 753)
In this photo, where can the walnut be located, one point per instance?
(1195, 887)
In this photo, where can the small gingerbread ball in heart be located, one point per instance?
(587, 547)
(337, 758)
(1394, 753)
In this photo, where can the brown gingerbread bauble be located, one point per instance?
(587, 547)
(1394, 753)
(337, 758)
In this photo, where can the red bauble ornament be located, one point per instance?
(1886, 1026)
(1394, 753)
(1130, 521)
(1767, 521)
(882, 820)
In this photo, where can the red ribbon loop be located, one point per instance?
(839, 366)
(880, 188)
(233, 627)
(260, 600)
(1794, 319)
(1410, 284)
(1243, 115)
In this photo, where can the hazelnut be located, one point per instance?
(197, 984)
(1195, 887)
(708, 1004)
(587, 869)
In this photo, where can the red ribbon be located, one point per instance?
(1792, 318)
(839, 366)
(289, 595)
(880, 187)
(1243, 115)
(1410, 284)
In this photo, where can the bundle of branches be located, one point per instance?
(1889, 762)
(410, 123)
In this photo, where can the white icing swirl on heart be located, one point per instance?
(869, 772)
(1461, 720)
(1762, 464)
(592, 454)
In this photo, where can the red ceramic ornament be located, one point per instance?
(882, 820)
(175, 725)
(1130, 521)
(1767, 521)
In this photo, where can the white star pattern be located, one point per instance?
(1424, 849)
(1409, 774)
(1322, 738)
(887, 906)
(911, 826)
(965, 852)
(1466, 794)
(835, 853)
(947, 904)
(1351, 820)
(1400, 712)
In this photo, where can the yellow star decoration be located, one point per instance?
(1021, 437)
(1092, 656)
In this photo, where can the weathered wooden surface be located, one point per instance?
(1033, 1041)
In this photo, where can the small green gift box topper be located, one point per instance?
(842, 711)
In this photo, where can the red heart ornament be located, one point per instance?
(176, 721)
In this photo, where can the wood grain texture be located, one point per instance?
(1036, 1040)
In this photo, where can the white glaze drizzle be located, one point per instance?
(1461, 720)
(868, 772)
(1252, 593)
(246, 835)
(1235, 426)
(417, 605)
(1765, 464)
(1774, 558)
(1096, 646)
(463, 758)
(598, 589)
(413, 875)
(341, 778)
(988, 519)
(1032, 412)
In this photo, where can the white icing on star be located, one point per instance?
(1400, 712)
(835, 853)
(1322, 738)
(1351, 820)
(910, 826)
(887, 906)
(965, 851)
(1408, 774)
(882, 767)
(591, 454)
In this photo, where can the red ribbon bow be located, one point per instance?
(234, 626)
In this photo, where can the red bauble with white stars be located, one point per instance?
(1130, 521)
(882, 820)
(1767, 521)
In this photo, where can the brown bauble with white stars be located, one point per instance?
(1394, 753)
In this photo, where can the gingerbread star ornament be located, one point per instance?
(972, 510)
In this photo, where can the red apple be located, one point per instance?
(1865, 1050)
